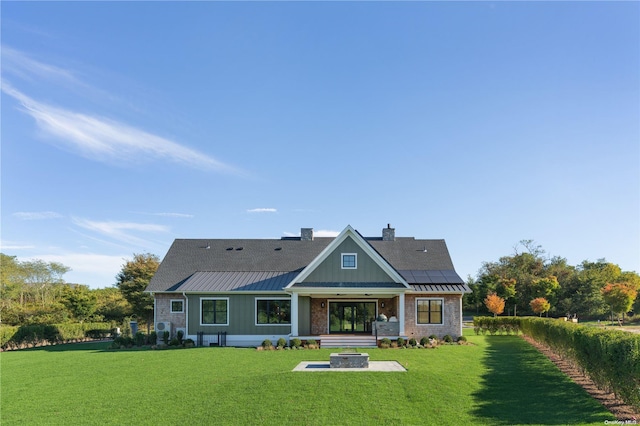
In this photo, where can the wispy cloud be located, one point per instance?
(182, 215)
(25, 67)
(325, 233)
(262, 210)
(88, 134)
(121, 231)
(316, 233)
(11, 245)
(37, 215)
(107, 140)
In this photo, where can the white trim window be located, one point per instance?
(177, 306)
(273, 311)
(214, 311)
(430, 311)
(349, 260)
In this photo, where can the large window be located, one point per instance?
(349, 260)
(177, 306)
(214, 311)
(273, 311)
(429, 311)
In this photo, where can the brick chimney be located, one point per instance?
(388, 233)
(306, 234)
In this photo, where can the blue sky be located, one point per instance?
(127, 125)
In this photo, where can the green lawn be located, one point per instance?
(500, 380)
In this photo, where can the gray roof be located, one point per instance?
(270, 264)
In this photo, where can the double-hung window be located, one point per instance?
(429, 311)
(214, 311)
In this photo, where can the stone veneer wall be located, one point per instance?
(163, 310)
(452, 317)
(319, 319)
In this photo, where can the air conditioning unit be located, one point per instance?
(161, 327)
(184, 331)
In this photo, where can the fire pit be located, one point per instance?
(349, 360)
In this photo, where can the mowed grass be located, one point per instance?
(499, 380)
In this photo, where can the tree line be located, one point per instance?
(34, 292)
(528, 281)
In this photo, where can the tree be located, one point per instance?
(539, 305)
(111, 305)
(133, 279)
(80, 301)
(619, 297)
(494, 303)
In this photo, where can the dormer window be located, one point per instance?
(349, 261)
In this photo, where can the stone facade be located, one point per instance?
(319, 319)
(163, 310)
(452, 317)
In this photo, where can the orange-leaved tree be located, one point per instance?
(539, 305)
(494, 303)
(619, 297)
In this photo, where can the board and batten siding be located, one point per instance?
(304, 315)
(330, 270)
(242, 315)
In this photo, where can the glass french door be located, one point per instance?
(351, 317)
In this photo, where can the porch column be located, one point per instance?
(294, 314)
(401, 312)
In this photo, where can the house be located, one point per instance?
(239, 292)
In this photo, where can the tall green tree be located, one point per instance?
(133, 279)
(80, 301)
(111, 305)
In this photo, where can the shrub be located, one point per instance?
(165, 337)
(412, 342)
(189, 343)
(179, 336)
(152, 338)
(266, 344)
(424, 341)
(282, 342)
(385, 343)
(400, 342)
(295, 342)
(433, 337)
(139, 338)
(312, 344)
(462, 339)
(447, 339)
(175, 342)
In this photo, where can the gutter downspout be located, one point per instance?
(186, 314)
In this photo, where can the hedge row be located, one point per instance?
(50, 334)
(493, 325)
(610, 357)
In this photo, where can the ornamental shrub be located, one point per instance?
(412, 342)
(139, 338)
(385, 343)
(266, 344)
(282, 342)
(400, 342)
(424, 341)
(180, 336)
(295, 342)
(447, 338)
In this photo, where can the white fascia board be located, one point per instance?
(365, 246)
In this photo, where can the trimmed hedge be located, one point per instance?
(50, 334)
(610, 357)
(493, 325)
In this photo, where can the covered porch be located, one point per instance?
(347, 318)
